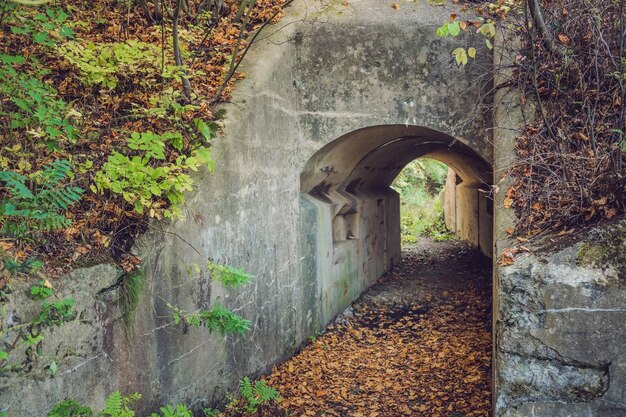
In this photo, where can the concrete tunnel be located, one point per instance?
(346, 194)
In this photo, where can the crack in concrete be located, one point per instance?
(584, 309)
(327, 114)
(183, 355)
(80, 365)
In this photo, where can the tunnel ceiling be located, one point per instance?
(373, 157)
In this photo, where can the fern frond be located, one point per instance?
(113, 405)
(58, 170)
(264, 392)
(15, 183)
(41, 209)
(245, 388)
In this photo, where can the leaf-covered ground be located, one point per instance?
(79, 78)
(417, 344)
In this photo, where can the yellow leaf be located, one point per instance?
(471, 52)
(508, 202)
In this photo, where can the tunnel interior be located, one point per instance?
(346, 193)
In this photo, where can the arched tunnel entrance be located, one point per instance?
(352, 215)
(352, 225)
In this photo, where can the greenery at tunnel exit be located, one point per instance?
(420, 185)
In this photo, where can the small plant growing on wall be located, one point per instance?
(22, 343)
(217, 318)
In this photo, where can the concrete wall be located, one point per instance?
(561, 335)
(363, 70)
(468, 211)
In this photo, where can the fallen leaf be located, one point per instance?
(610, 213)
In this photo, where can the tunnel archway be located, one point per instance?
(352, 216)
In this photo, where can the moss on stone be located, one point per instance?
(606, 248)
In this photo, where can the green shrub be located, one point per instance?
(108, 64)
(146, 180)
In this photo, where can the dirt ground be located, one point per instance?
(418, 343)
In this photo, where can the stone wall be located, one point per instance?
(561, 335)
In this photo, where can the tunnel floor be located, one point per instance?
(418, 343)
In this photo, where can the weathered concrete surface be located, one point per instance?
(327, 72)
(561, 334)
(83, 348)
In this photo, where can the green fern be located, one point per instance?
(117, 405)
(39, 207)
(217, 318)
(113, 405)
(255, 395)
(180, 410)
(245, 388)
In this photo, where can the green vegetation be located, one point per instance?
(227, 275)
(214, 319)
(421, 214)
(117, 111)
(142, 184)
(253, 395)
(117, 405)
(108, 64)
(37, 202)
(130, 290)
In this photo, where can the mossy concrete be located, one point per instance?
(561, 335)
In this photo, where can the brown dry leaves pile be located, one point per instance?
(418, 360)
